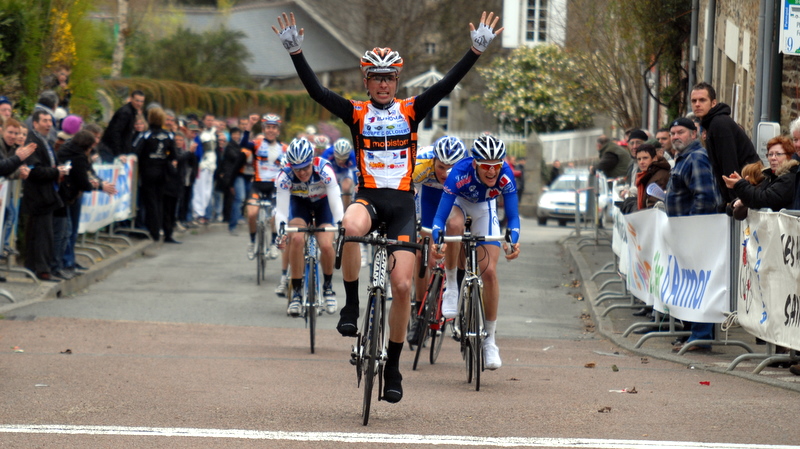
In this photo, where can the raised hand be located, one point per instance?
(290, 37)
(482, 37)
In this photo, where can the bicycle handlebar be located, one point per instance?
(381, 241)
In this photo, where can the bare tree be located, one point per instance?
(119, 48)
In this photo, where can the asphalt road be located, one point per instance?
(182, 349)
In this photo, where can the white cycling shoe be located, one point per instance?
(450, 303)
(491, 356)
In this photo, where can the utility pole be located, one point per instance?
(122, 32)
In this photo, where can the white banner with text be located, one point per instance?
(680, 265)
(769, 277)
(98, 209)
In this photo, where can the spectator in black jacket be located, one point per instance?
(118, 137)
(12, 156)
(729, 148)
(233, 160)
(81, 178)
(156, 159)
(40, 199)
(173, 187)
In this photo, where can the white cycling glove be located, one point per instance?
(482, 37)
(291, 39)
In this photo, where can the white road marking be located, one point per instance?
(376, 438)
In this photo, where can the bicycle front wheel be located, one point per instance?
(311, 302)
(371, 361)
(259, 251)
(436, 341)
(476, 337)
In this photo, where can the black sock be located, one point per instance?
(460, 275)
(297, 284)
(351, 295)
(393, 356)
(252, 237)
(327, 279)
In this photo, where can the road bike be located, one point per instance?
(263, 236)
(313, 302)
(427, 315)
(369, 353)
(468, 327)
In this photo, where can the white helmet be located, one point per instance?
(449, 150)
(321, 141)
(300, 153)
(342, 149)
(488, 148)
(381, 60)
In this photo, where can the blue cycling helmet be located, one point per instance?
(449, 150)
(488, 148)
(300, 153)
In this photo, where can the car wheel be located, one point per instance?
(542, 221)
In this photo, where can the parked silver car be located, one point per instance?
(557, 202)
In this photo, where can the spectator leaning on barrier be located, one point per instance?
(691, 190)
(653, 169)
(81, 178)
(729, 148)
(118, 137)
(777, 190)
(40, 199)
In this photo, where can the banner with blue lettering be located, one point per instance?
(680, 265)
(98, 209)
(4, 200)
(769, 275)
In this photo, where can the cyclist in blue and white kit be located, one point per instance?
(430, 172)
(343, 161)
(473, 186)
(308, 195)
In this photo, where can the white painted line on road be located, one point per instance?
(376, 438)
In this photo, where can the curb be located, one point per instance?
(101, 270)
(603, 326)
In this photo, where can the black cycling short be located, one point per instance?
(262, 189)
(393, 207)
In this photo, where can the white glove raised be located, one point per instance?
(482, 37)
(291, 39)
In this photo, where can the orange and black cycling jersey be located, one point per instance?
(384, 139)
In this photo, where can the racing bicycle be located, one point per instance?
(369, 353)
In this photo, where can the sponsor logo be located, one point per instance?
(504, 180)
(390, 127)
(492, 193)
(377, 165)
(390, 143)
(463, 181)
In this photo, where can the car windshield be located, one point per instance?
(568, 183)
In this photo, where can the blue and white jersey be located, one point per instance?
(322, 184)
(348, 171)
(463, 182)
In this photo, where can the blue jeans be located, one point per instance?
(9, 221)
(61, 230)
(240, 188)
(74, 214)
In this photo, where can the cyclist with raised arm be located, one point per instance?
(472, 187)
(343, 161)
(308, 195)
(429, 176)
(268, 154)
(384, 131)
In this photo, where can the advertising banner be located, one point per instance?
(98, 209)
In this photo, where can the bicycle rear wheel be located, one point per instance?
(466, 328)
(371, 362)
(311, 302)
(422, 335)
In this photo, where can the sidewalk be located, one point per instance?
(589, 259)
(109, 255)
